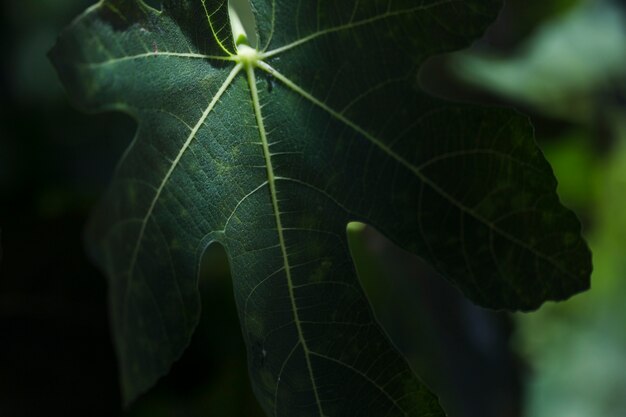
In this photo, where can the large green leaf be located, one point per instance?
(272, 152)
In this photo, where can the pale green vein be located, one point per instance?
(239, 203)
(91, 9)
(352, 25)
(355, 7)
(478, 152)
(272, 27)
(167, 176)
(280, 373)
(364, 376)
(320, 191)
(115, 10)
(373, 89)
(209, 17)
(279, 227)
(415, 170)
(155, 54)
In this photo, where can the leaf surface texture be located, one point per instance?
(272, 159)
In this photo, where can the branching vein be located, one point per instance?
(415, 170)
(155, 54)
(279, 227)
(209, 17)
(352, 25)
(159, 191)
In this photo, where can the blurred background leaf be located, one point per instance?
(461, 351)
(577, 350)
(569, 74)
(565, 69)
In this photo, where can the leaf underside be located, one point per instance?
(272, 161)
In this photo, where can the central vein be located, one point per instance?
(271, 178)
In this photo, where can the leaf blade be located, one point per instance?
(270, 175)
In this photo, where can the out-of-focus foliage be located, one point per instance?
(564, 69)
(578, 349)
(520, 18)
(575, 160)
(574, 69)
(212, 376)
(460, 350)
(35, 25)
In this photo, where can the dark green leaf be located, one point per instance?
(272, 153)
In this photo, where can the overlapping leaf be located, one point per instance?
(272, 158)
